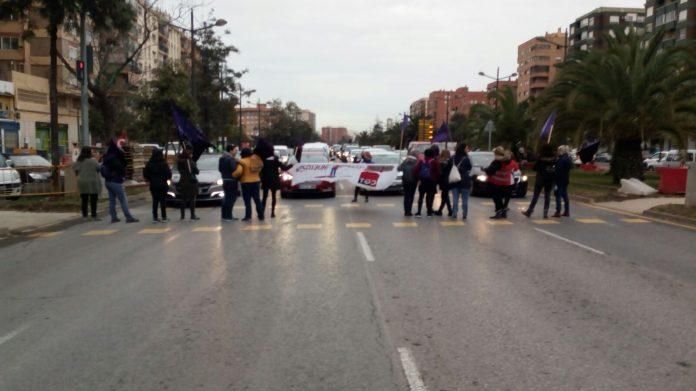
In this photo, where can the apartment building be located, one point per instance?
(676, 17)
(310, 118)
(334, 135)
(536, 61)
(442, 105)
(419, 108)
(589, 31)
(501, 85)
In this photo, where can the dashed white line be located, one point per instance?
(574, 243)
(415, 381)
(13, 334)
(365, 247)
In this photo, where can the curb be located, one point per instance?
(670, 217)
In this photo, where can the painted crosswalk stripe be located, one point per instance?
(350, 205)
(385, 205)
(309, 226)
(499, 222)
(313, 206)
(635, 221)
(100, 232)
(487, 203)
(413, 376)
(45, 234)
(263, 227)
(153, 231)
(207, 229)
(591, 221)
(405, 225)
(453, 224)
(358, 225)
(545, 222)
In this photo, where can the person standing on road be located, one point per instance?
(88, 183)
(427, 172)
(545, 177)
(249, 171)
(409, 181)
(158, 174)
(270, 181)
(444, 183)
(188, 183)
(501, 180)
(460, 162)
(365, 158)
(113, 170)
(227, 165)
(563, 167)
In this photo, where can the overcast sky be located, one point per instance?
(351, 61)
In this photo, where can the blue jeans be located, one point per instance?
(562, 194)
(230, 188)
(116, 191)
(251, 191)
(464, 194)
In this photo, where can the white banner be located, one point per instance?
(367, 176)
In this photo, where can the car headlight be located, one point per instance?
(482, 178)
(15, 176)
(169, 182)
(219, 182)
(524, 178)
(285, 177)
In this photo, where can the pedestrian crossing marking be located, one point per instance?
(635, 221)
(344, 196)
(313, 206)
(264, 227)
(405, 225)
(545, 222)
(207, 229)
(521, 203)
(452, 224)
(499, 222)
(385, 205)
(350, 205)
(45, 234)
(100, 232)
(152, 231)
(309, 226)
(487, 203)
(358, 225)
(591, 221)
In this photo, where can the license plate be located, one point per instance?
(307, 187)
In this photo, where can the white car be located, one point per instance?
(10, 180)
(283, 153)
(655, 160)
(676, 158)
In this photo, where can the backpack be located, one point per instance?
(424, 171)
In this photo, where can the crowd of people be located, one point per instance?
(258, 171)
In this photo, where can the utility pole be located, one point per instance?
(84, 98)
(258, 106)
(193, 58)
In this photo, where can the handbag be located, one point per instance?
(454, 175)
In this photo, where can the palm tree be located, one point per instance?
(512, 120)
(626, 93)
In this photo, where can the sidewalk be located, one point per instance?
(20, 222)
(638, 206)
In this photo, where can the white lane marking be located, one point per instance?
(13, 334)
(365, 247)
(574, 243)
(415, 382)
(340, 186)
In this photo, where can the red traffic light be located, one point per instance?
(80, 65)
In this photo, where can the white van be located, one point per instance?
(10, 181)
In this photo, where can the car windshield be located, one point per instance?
(282, 152)
(208, 162)
(314, 158)
(385, 158)
(30, 161)
(481, 159)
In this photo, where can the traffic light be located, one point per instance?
(429, 135)
(80, 70)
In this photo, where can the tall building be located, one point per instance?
(443, 104)
(310, 118)
(419, 108)
(256, 119)
(536, 60)
(677, 17)
(589, 30)
(331, 135)
(502, 85)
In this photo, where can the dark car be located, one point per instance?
(479, 179)
(209, 181)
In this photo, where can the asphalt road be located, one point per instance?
(339, 296)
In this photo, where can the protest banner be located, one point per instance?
(376, 177)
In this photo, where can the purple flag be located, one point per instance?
(190, 133)
(547, 129)
(442, 135)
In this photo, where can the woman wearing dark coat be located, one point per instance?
(545, 178)
(270, 181)
(158, 173)
(188, 184)
(443, 183)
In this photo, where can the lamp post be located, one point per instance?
(497, 79)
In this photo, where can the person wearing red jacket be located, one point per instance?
(501, 180)
(428, 173)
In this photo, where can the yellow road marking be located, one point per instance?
(499, 222)
(308, 226)
(385, 205)
(264, 227)
(405, 225)
(452, 223)
(635, 221)
(591, 221)
(45, 234)
(154, 231)
(545, 222)
(313, 206)
(521, 203)
(487, 203)
(358, 225)
(101, 232)
(350, 205)
(207, 229)
(624, 213)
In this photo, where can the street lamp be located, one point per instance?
(497, 79)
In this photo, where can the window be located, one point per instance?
(591, 34)
(613, 19)
(682, 15)
(641, 19)
(682, 34)
(631, 17)
(584, 22)
(649, 12)
(591, 21)
(9, 43)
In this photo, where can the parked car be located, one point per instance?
(602, 157)
(10, 181)
(654, 160)
(209, 181)
(481, 160)
(309, 155)
(32, 168)
(676, 158)
(381, 156)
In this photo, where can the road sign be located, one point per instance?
(490, 128)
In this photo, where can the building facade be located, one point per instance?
(589, 30)
(334, 135)
(255, 119)
(676, 17)
(310, 118)
(536, 60)
(419, 108)
(442, 105)
(501, 85)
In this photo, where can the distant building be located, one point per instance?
(589, 30)
(331, 135)
(443, 104)
(502, 86)
(310, 118)
(677, 17)
(256, 119)
(419, 108)
(536, 60)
